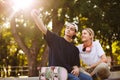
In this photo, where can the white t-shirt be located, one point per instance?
(93, 56)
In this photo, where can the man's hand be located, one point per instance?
(34, 12)
(75, 71)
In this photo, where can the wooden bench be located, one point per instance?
(20, 78)
(115, 75)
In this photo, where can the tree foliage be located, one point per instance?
(101, 15)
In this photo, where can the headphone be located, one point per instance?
(87, 49)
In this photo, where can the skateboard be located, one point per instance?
(53, 73)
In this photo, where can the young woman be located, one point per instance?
(92, 54)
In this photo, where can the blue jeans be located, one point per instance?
(82, 76)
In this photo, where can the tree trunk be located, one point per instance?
(32, 63)
(44, 58)
(57, 24)
(30, 52)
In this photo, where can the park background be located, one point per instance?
(22, 45)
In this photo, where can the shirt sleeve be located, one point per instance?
(100, 50)
(50, 37)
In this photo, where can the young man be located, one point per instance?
(61, 51)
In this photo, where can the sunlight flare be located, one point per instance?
(21, 4)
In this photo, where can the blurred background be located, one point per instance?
(22, 46)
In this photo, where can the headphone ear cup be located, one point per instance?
(88, 49)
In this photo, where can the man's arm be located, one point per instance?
(38, 21)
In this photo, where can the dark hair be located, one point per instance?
(73, 37)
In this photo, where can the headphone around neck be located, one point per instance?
(87, 49)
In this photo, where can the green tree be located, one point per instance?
(102, 16)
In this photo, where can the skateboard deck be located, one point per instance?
(53, 73)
